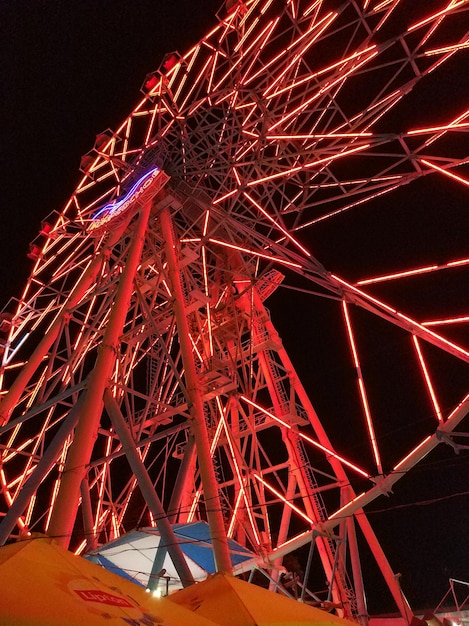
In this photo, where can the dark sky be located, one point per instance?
(70, 69)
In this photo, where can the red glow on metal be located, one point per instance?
(453, 5)
(241, 478)
(254, 122)
(309, 37)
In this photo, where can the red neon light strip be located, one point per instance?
(195, 502)
(300, 168)
(431, 390)
(319, 28)
(449, 8)
(326, 89)
(340, 63)
(414, 272)
(234, 515)
(233, 66)
(432, 129)
(453, 48)
(403, 461)
(401, 316)
(450, 320)
(320, 136)
(457, 408)
(29, 511)
(346, 506)
(196, 498)
(343, 209)
(327, 451)
(277, 224)
(284, 500)
(241, 480)
(446, 172)
(206, 289)
(258, 254)
(362, 389)
(226, 196)
(312, 7)
(274, 60)
(453, 124)
(267, 33)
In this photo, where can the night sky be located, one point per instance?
(71, 69)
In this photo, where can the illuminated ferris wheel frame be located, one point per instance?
(142, 335)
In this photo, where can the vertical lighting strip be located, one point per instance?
(29, 511)
(102, 473)
(362, 388)
(234, 515)
(428, 382)
(55, 490)
(198, 493)
(206, 287)
(241, 479)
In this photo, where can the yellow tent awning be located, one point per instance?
(230, 601)
(43, 584)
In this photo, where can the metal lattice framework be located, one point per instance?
(143, 377)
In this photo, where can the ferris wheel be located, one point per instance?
(281, 163)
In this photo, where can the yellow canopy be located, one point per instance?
(43, 584)
(229, 601)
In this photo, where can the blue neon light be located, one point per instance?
(113, 207)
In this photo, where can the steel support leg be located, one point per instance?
(147, 489)
(79, 454)
(212, 500)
